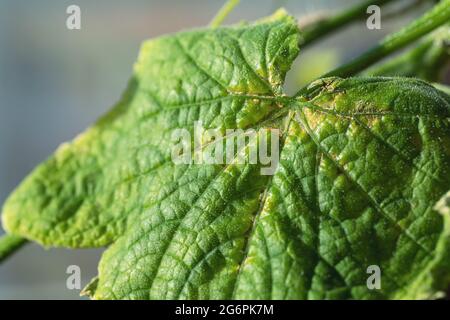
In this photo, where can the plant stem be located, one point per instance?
(321, 28)
(405, 9)
(442, 87)
(10, 244)
(223, 13)
(432, 19)
(428, 60)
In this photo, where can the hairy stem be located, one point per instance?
(324, 27)
(405, 9)
(223, 13)
(10, 244)
(432, 19)
(428, 60)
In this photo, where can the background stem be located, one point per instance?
(432, 19)
(223, 13)
(321, 28)
(9, 244)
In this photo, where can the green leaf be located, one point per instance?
(363, 162)
(429, 60)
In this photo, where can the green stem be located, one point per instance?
(321, 28)
(434, 18)
(428, 60)
(223, 13)
(9, 244)
(442, 87)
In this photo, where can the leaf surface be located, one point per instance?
(362, 163)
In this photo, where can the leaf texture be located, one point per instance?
(363, 162)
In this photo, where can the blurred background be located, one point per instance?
(55, 82)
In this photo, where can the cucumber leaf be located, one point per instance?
(363, 162)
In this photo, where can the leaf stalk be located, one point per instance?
(223, 13)
(9, 244)
(321, 28)
(432, 19)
